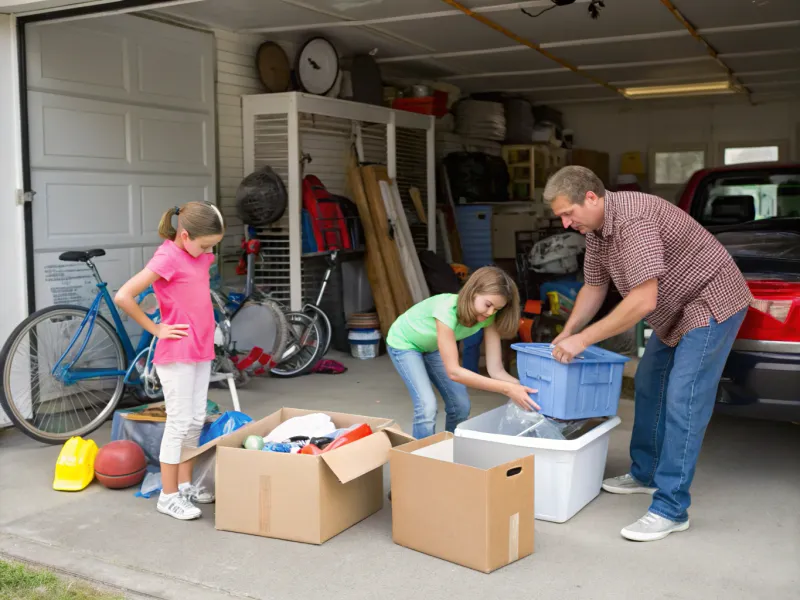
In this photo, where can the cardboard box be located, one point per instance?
(594, 160)
(453, 501)
(300, 497)
(505, 224)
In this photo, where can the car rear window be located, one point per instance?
(730, 198)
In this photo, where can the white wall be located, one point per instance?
(236, 77)
(12, 236)
(618, 129)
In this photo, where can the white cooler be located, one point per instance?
(568, 474)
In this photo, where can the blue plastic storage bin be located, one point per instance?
(588, 387)
(475, 231)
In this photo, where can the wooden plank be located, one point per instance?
(393, 266)
(416, 198)
(405, 241)
(376, 272)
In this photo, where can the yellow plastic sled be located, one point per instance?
(75, 465)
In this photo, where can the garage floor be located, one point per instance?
(744, 541)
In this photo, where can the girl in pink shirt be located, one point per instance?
(179, 275)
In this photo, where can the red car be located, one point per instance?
(754, 210)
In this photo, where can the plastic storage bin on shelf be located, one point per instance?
(567, 474)
(474, 223)
(588, 387)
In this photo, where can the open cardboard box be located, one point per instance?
(453, 500)
(295, 496)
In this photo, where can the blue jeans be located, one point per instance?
(676, 389)
(472, 352)
(419, 371)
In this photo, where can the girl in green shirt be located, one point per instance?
(422, 344)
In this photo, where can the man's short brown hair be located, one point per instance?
(574, 182)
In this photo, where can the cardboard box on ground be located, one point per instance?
(298, 497)
(453, 500)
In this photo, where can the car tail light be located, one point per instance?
(774, 314)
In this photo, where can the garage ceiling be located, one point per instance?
(633, 42)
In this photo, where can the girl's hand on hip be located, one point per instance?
(519, 394)
(171, 332)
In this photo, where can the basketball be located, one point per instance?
(120, 464)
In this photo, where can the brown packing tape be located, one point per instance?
(513, 538)
(264, 504)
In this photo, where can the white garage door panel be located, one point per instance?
(80, 210)
(81, 134)
(157, 199)
(106, 53)
(189, 82)
(177, 143)
(123, 58)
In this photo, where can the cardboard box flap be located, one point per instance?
(398, 437)
(358, 458)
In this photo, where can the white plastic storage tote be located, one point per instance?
(568, 473)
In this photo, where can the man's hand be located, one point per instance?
(568, 348)
(562, 336)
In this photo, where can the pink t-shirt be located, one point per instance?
(184, 297)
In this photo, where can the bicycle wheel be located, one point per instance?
(260, 323)
(41, 404)
(304, 347)
(313, 310)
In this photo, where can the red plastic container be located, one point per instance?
(435, 105)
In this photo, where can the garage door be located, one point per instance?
(121, 123)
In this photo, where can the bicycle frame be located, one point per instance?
(68, 374)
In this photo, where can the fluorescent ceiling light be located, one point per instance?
(688, 89)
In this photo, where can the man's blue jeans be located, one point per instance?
(420, 372)
(676, 389)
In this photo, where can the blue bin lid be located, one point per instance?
(593, 354)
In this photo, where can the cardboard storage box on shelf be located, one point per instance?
(299, 497)
(569, 473)
(594, 160)
(453, 500)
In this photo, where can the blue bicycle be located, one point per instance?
(66, 367)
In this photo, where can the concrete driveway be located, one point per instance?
(744, 541)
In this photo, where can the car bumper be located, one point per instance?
(762, 380)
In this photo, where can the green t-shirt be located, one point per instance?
(415, 329)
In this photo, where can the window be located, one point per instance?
(675, 167)
(748, 195)
(751, 154)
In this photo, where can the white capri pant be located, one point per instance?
(185, 395)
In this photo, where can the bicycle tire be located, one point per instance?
(311, 353)
(16, 337)
(326, 322)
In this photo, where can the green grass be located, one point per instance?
(18, 582)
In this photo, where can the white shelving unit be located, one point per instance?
(279, 128)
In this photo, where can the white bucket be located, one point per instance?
(364, 343)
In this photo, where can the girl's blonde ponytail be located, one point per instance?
(165, 227)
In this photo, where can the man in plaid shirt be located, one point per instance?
(674, 273)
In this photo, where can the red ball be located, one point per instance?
(120, 464)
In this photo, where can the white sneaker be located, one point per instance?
(195, 494)
(178, 506)
(626, 484)
(652, 527)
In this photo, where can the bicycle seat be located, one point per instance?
(78, 256)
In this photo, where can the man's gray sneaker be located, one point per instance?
(652, 527)
(626, 484)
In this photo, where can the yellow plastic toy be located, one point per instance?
(75, 465)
